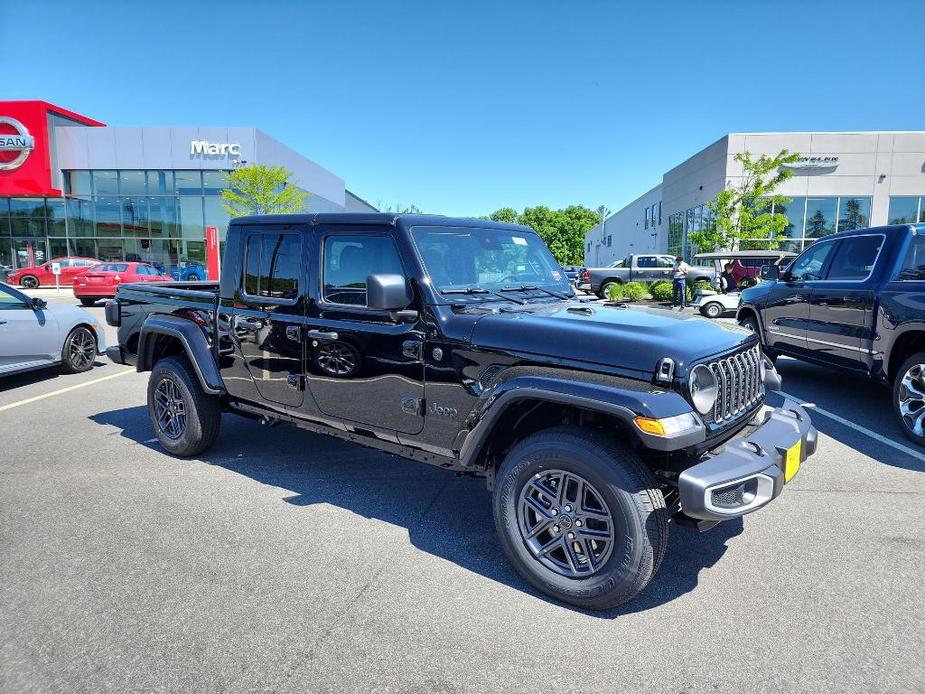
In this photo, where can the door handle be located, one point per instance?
(248, 324)
(293, 332)
(322, 335)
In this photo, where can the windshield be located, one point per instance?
(459, 258)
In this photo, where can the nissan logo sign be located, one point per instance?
(20, 142)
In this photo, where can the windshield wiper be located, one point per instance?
(481, 290)
(533, 287)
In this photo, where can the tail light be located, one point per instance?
(195, 317)
(117, 279)
(586, 276)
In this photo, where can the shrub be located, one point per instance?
(661, 291)
(634, 291)
(615, 292)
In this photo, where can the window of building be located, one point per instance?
(820, 216)
(105, 183)
(853, 213)
(27, 216)
(349, 260)
(188, 182)
(646, 220)
(273, 265)
(213, 182)
(107, 216)
(609, 240)
(660, 212)
(855, 258)
(132, 183)
(903, 210)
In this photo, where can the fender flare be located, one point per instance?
(895, 335)
(195, 345)
(757, 312)
(623, 403)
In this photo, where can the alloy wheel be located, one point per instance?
(565, 523)
(29, 282)
(169, 409)
(912, 399)
(336, 359)
(81, 349)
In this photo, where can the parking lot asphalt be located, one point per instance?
(284, 561)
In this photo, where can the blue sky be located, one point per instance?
(464, 107)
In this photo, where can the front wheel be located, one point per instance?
(29, 281)
(580, 516)
(909, 397)
(712, 310)
(185, 418)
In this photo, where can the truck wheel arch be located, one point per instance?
(907, 343)
(163, 336)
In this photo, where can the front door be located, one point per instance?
(786, 312)
(27, 337)
(840, 326)
(362, 366)
(266, 321)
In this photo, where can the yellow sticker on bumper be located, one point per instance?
(792, 461)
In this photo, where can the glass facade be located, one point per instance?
(906, 210)
(808, 218)
(152, 216)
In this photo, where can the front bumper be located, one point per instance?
(749, 471)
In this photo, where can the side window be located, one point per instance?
(914, 264)
(349, 260)
(8, 300)
(665, 261)
(855, 258)
(273, 265)
(646, 261)
(809, 265)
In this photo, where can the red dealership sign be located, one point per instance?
(213, 256)
(25, 145)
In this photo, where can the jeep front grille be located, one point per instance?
(738, 384)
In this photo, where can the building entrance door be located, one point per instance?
(29, 252)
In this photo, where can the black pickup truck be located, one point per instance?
(854, 301)
(459, 343)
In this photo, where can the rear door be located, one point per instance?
(266, 320)
(786, 312)
(646, 269)
(362, 366)
(840, 314)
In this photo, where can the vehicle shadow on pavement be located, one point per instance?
(50, 373)
(852, 398)
(446, 515)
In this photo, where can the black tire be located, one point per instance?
(86, 301)
(193, 278)
(29, 281)
(79, 350)
(627, 490)
(604, 293)
(911, 378)
(751, 323)
(712, 310)
(201, 414)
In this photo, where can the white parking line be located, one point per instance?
(854, 425)
(64, 390)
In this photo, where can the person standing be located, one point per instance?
(679, 282)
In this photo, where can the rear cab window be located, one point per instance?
(913, 267)
(272, 266)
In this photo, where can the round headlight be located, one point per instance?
(702, 385)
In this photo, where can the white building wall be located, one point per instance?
(627, 232)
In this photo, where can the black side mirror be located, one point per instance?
(39, 304)
(389, 293)
(770, 272)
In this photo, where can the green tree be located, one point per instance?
(853, 217)
(742, 212)
(562, 230)
(261, 189)
(815, 225)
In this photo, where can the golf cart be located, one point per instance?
(746, 271)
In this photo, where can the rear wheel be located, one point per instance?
(29, 281)
(909, 397)
(580, 516)
(79, 351)
(604, 293)
(185, 418)
(712, 310)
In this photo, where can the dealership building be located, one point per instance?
(841, 181)
(71, 185)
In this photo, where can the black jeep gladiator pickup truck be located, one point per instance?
(854, 301)
(458, 343)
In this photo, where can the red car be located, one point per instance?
(101, 280)
(41, 275)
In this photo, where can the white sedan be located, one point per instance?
(35, 335)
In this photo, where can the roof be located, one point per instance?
(389, 218)
(719, 255)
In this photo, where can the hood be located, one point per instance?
(624, 338)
